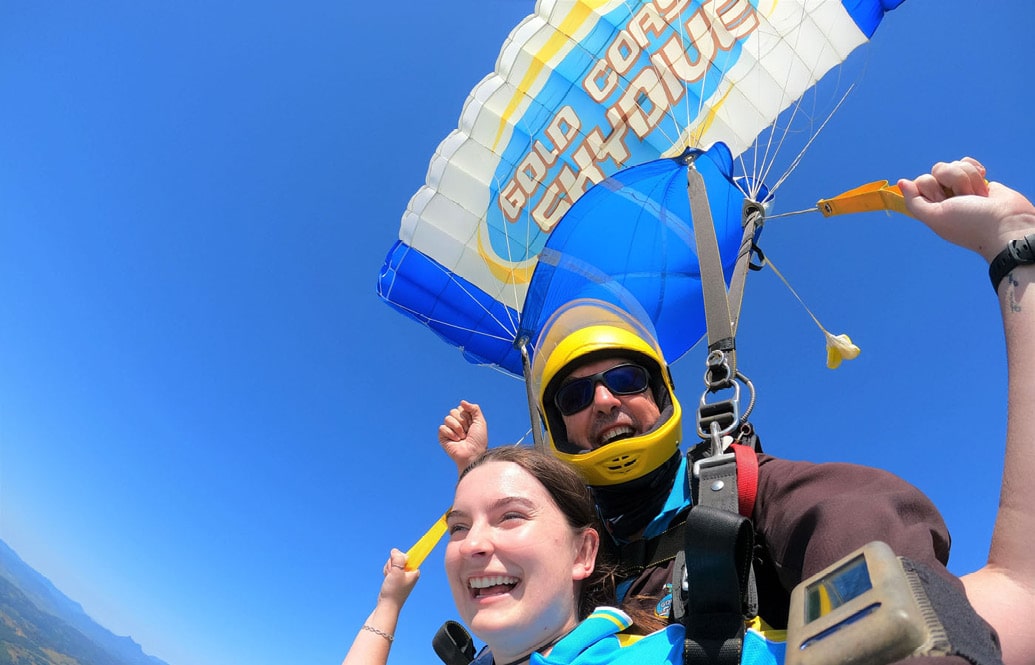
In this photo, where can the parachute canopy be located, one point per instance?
(582, 90)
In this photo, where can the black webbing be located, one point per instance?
(452, 643)
(637, 556)
(718, 563)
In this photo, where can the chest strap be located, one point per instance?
(637, 556)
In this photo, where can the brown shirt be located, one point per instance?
(807, 516)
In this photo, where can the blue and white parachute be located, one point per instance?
(584, 90)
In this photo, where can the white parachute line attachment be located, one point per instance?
(508, 332)
(771, 140)
(685, 125)
(808, 144)
(510, 256)
(755, 168)
(624, 85)
(764, 165)
(790, 213)
(533, 411)
(427, 320)
(752, 160)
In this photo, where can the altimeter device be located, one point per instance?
(866, 609)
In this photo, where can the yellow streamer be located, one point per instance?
(422, 548)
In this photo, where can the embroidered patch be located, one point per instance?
(664, 607)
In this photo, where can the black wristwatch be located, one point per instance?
(1020, 252)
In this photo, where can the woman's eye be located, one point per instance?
(456, 528)
(513, 516)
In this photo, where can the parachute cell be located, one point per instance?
(582, 90)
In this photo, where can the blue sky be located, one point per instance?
(211, 429)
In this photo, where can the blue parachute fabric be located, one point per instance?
(867, 14)
(580, 91)
(629, 241)
(456, 310)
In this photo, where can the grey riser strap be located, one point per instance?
(721, 307)
(713, 283)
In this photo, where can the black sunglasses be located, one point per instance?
(620, 380)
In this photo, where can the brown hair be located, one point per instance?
(572, 497)
(567, 489)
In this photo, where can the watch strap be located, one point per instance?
(1018, 252)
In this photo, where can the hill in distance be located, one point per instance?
(39, 625)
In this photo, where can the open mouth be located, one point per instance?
(616, 434)
(492, 585)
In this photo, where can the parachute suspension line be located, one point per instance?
(533, 413)
(427, 320)
(678, 124)
(685, 37)
(511, 330)
(801, 153)
(777, 136)
(791, 213)
(515, 325)
(797, 110)
(757, 158)
(529, 432)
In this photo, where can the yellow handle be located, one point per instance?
(872, 196)
(422, 548)
(879, 195)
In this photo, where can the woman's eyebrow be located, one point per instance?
(455, 514)
(498, 504)
(507, 500)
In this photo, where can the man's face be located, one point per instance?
(609, 417)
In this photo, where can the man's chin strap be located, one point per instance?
(628, 508)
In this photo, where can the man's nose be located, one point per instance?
(603, 399)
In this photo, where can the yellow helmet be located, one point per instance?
(586, 330)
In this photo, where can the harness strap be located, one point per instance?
(730, 482)
(637, 556)
(747, 478)
(709, 593)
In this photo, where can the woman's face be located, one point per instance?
(513, 562)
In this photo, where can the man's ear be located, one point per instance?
(587, 544)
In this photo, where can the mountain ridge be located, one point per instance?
(40, 625)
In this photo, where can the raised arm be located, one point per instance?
(984, 217)
(464, 434)
(374, 639)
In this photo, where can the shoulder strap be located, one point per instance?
(637, 556)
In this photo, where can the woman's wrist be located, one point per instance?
(1018, 252)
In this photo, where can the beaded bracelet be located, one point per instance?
(382, 633)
